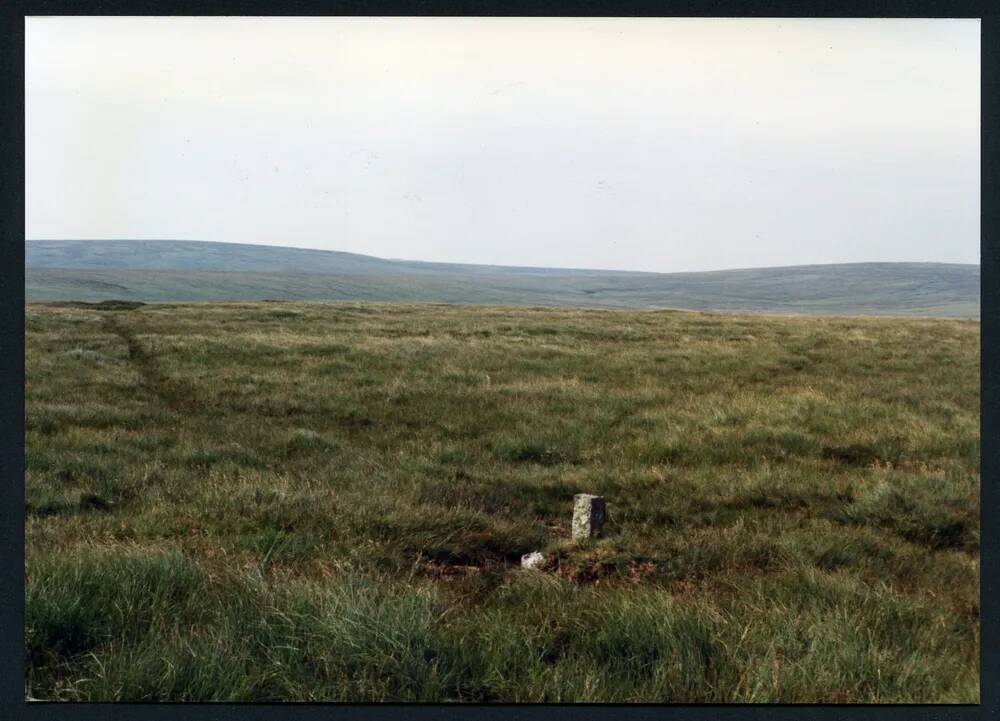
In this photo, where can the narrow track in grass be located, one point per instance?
(176, 395)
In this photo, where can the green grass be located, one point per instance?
(302, 501)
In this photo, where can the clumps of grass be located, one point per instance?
(204, 459)
(73, 605)
(43, 425)
(779, 488)
(534, 451)
(295, 524)
(680, 557)
(86, 355)
(454, 455)
(454, 535)
(275, 545)
(200, 458)
(920, 511)
(303, 441)
(66, 468)
(158, 627)
(286, 313)
(149, 628)
(92, 414)
(69, 496)
(860, 643)
(546, 641)
(742, 447)
(459, 490)
(354, 419)
(855, 551)
(590, 562)
(47, 501)
(779, 445)
(888, 451)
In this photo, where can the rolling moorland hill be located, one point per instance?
(172, 270)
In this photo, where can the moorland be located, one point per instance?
(252, 501)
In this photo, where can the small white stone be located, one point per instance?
(533, 560)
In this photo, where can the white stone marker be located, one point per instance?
(532, 560)
(588, 516)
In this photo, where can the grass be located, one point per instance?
(303, 501)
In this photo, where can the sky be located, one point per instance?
(633, 143)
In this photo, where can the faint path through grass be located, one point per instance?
(177, 395)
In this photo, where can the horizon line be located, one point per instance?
(495, 265)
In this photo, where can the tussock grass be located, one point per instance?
(263, 501)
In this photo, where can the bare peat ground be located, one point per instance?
(306, 501)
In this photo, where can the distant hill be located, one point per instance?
(170, 270)
(204, 256)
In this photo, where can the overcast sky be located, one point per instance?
(644, 144)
